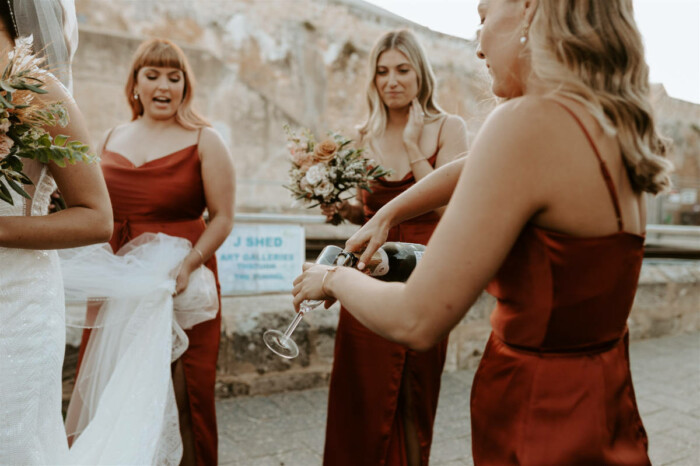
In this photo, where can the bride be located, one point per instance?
(32, 329)
(123, 409)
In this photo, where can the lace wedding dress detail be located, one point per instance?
(123, 407)
(32, 340)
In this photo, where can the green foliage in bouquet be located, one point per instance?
(23, 120)
(328, 172)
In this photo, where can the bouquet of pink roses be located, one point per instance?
(328, 172)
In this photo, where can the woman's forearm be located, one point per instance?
(378, 305)
(428, 194)
(73, 227)
(418, 162)
(218, 229)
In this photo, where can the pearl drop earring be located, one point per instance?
(523, 37)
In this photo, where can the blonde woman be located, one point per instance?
(163, 169)
(548, 214)
(383, 396)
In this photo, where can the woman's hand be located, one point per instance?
(57, 202)
(309, 285)
(369, 238)
(342, 208)
(192, 261)
(414, 126)
(183, 277)
(346, 210)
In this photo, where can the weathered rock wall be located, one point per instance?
(260, 64)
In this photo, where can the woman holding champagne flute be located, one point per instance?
(548, 213)
(383, 396)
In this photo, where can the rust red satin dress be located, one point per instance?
(365, 424)
(166, 195)
(554, 385)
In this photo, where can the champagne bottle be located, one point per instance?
(393, 262)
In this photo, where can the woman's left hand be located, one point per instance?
(414, 126)
(309, 284)
(183, 278)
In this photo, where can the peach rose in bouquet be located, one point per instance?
(325, 151)
(328, 172)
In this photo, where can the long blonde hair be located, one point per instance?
(407, 43)
(162, 52)
(592, 51)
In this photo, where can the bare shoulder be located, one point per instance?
(211, 144)
(454, 123)
(452, 126)
(533, 124)
(55, 91)
(210, 138)
(119, 134)
(528, 113)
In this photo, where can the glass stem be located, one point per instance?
(297, 319)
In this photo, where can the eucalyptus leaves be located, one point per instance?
(23, 120)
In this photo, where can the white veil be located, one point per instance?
(54, 26)
(123, 409)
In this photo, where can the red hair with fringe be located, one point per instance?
(165, 53)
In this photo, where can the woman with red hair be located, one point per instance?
(163, 169)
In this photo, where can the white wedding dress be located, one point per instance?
(123, 408)
(32, 341)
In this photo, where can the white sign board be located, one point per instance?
(260, 258)
(689, 196)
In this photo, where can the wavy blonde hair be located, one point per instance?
(591, 51)
(162, 52)
(407, 43)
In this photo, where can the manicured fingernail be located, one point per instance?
(361, 266)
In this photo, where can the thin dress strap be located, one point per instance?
(109, 135)
(603, 166)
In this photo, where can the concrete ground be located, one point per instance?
(288, 429)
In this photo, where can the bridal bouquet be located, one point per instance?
(23, 119)
(328, 172)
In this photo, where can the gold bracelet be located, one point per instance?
(325, 276)
(201, 256)
(418, 160)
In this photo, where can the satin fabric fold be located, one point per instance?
(554, 386)
(367, 406)
(166, 195)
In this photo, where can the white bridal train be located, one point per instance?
(123, 409)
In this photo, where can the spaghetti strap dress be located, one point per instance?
(166, 195)
(554, 386)
(366, 405)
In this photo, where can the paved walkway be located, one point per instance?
(288, 429)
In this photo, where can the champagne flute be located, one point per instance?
(281, 343)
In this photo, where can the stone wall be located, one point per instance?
(259, 65)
